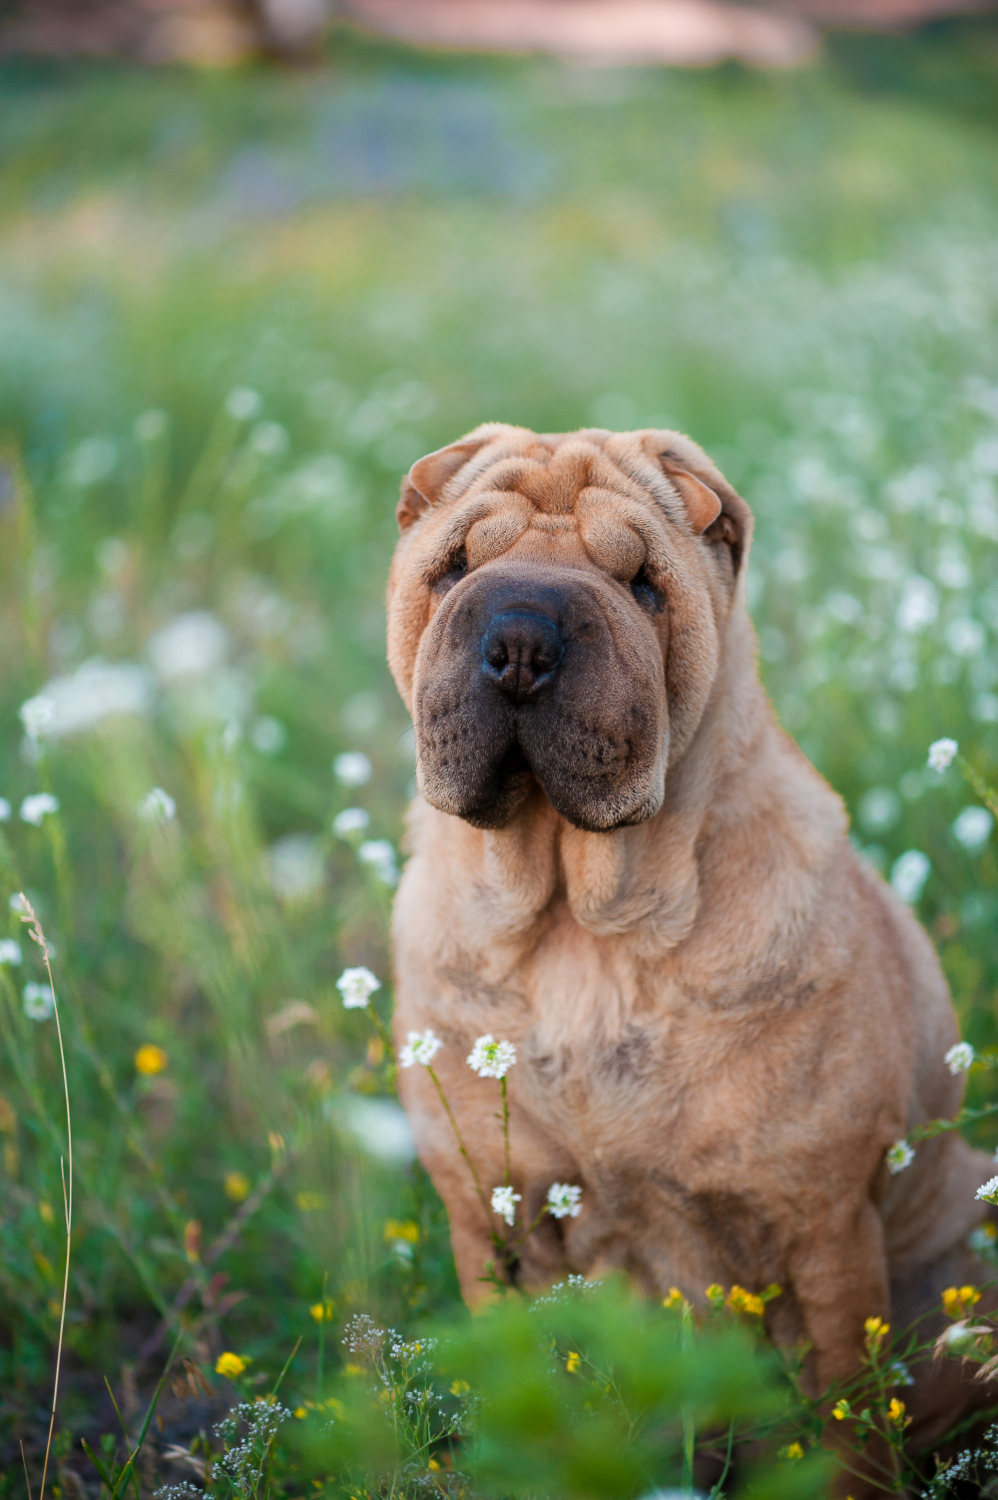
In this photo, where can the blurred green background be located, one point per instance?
(233, 309)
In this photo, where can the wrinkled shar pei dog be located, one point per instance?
(723, 1018)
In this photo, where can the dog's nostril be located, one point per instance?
(522, 649)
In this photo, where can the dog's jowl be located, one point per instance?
(620, 863)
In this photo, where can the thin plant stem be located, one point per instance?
(505, 1128)
(986, 793)
(460, 1142)
(35, 929)
(689, 1421)
(322, 1339)
(27, 1476)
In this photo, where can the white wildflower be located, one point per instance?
(988, 1191)
(941, 754)
(420, 1047)
(243, 403)
(268, 735)
(909, 874)
(37, 806)
(357, 986)
(95, 691)
(156, 806)
(564, 1201)
(39, 1001)
(10, 951)
(504, 1202)
(190, 645)
(37, 715)
(149, 425)
(899, 1156)
(972, 828)
(352, 768)
(491, 1059)
(4, 810)
(295, 866)
(959, 1058)
(350, 820)
(380, 856)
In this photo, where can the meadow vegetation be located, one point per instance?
(233, 310)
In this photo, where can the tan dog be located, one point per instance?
(723, 1018)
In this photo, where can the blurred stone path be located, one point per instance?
(223, 33)
(616, 31)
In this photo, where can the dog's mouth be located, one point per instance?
(534, 686)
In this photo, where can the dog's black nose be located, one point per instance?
(521, 651)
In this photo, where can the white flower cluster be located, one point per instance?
(356, 987)
(504, 1202)
(38, 1001)
(37, 715)
(244, 1456)
(361, 1335)
(352, 768)
(350, 821)
(38, 806)
(899, 1156)
(491, 1059)
(942, 754)
(156, 806)
(420, 1047)
(379, 856)
(959, 1058)
(564, 1201)
(988, 1191)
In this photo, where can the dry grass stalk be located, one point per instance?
(35, 929)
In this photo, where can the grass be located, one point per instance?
(233, 310)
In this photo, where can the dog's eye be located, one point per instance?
(455, 569)
(647, 595)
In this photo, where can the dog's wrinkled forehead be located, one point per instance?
(552, 471)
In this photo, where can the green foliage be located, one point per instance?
(232, 311)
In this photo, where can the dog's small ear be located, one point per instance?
(703, 506)
(424, 482)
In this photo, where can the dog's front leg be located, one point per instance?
(460, 1143)
(839, 1280)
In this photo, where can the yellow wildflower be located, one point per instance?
(237, 1186)
(674, 1299)
(352, 1369)
(960, 1301)
(308, 1202)
(150, 1059)
(792, 1451)
(876, 1331)
(230, 1364)
(336, 1407)
(746, 1302)
(572, 1363)
(404, 1230)
(895, 1412)
(322, 1311)
(715, 1294)
(841, 1410)
(300, 1412)
(459, 1388)
(433, 1464)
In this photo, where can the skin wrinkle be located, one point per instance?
(722, 1018)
